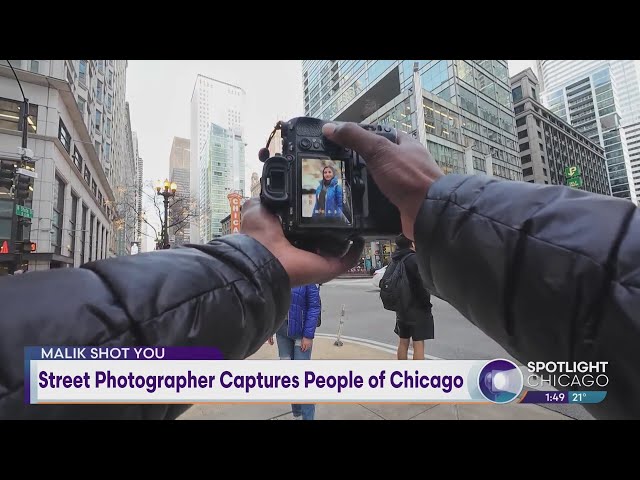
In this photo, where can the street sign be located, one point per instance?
(26, 173)
(571, 172)
(575, 182)
(23, 211)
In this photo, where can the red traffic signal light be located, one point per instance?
(26, 246)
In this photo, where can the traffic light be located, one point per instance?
(7, 174)
(25, 246)
(24, 187)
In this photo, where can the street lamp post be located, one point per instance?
(167, 190)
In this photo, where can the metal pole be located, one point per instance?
(18, 201)
(25, 122)
(338, 342)
(166, 216)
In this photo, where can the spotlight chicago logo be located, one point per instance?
(572, 375)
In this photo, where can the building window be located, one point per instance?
(533, 93)
(63, 136)
(539, 135)
(527, 171)
(468, 100)
(6, 218)
(96, 144)
(83, 233)
(91, 222)
(526, 159)
(11, 115)
(518, 109)
(517, 94)
(107, 127)
(522, 134)
(107, 152)
(35, 66)
(544, 170)
(109, 102)
(99, 92)
(87, 175)
(100, 65)
(94, 188)
(542, 158)
(82, 72)
(524, 146)
(77, 158)
(98, 120)
(58, 215)
(98, 238)
(521, 121)
(100, 198)
(72, 224)
(82, 105)
(110, 78)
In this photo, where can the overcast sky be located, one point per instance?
(159, 95)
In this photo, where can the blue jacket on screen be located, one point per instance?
(332, 202)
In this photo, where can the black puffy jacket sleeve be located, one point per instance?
(231, 294)
(549, 272)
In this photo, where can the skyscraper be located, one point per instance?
(221, 161)
(179, 168)
(602, 99)
(222, 104)
(551, 151)
(464, 115)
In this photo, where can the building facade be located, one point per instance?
(549, 146)
(601, 99)
(226, 223)
(139, 187)
(221, 161)
(221, 104)
(99, 88)
(179, 168)
(461, 110)
(255, 185)
(71, 202)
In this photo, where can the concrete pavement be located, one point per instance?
(324, 349)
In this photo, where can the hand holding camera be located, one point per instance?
(403, 171)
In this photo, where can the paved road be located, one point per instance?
(456, 337)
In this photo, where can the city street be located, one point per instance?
(365, 319)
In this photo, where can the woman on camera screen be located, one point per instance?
(328, 195)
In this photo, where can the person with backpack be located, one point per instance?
(402, 291)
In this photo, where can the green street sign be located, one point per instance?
(575, 182)
(22, 211)
(571, 172)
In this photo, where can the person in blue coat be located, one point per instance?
(328, 195)
(295, 336)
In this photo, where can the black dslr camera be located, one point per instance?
(322, 192)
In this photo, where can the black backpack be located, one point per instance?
(394, 287)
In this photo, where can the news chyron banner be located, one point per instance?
(82, 375)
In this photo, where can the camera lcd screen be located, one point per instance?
(326, 197)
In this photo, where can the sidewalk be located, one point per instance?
(324, 349)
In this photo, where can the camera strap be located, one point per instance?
(275, 129)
